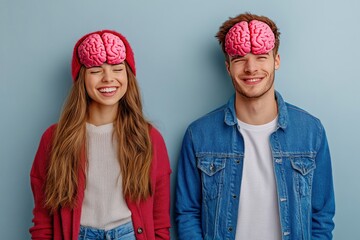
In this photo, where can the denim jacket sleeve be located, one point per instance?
(188, 193)
(323, 200)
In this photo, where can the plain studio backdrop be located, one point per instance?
(182, 76)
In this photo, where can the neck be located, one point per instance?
(101, 115)
(256, 111)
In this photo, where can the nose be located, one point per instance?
(107, 75)
(250, 66)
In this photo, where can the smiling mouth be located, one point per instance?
(107, 90)
(253, 80)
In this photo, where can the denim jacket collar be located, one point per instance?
(231, 119)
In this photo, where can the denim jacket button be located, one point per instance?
(234, 196)
(278, 160)
(230, 229)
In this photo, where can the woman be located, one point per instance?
(101, 172)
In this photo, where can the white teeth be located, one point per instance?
(106, 90)
(253, 80)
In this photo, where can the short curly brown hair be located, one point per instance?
(247, 17)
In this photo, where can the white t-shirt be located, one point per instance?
(258, 216)
(104, 206)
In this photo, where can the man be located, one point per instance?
(257, 167)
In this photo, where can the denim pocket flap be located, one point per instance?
(211, 165)
(303, 164)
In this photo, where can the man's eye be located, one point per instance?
(118, 70)
(94, 72)
(238, 60)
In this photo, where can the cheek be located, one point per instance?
(89, 86)
(125, 86)
(88, 89)
(268, 67)
(124, 80)
(235, 71)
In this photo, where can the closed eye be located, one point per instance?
(94, 70)
(263, 56)
(118, 67)
(238, 60)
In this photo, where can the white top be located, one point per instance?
(258, 216)
(104, 206)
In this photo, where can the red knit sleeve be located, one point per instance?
(43, 226)
(161, 207)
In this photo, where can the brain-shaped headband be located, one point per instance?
(255, 37)
(96, 50)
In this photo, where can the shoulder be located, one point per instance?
(47, 137)
(42, 154)
(300, 116)
(215, 116)
(155, 134)
(49, 132)
(160, 159)
(305, 126)
(157, 140)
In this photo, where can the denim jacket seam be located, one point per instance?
(218, 155)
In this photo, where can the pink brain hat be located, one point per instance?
(100, 47)
(255, 37)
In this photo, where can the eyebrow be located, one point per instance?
(236, 57)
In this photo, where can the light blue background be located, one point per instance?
(181, 74)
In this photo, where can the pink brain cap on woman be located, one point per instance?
(97, 48)
(255, 37)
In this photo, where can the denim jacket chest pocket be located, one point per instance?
(303, 167)
(212, 175)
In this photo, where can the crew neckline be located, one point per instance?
(256, 128)
(105, 128)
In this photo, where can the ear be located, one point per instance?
(277, 61)
(227, 67)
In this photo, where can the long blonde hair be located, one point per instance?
(68, 146)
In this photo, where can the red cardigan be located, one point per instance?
(150, 218)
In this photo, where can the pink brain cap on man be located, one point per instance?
(96, 50)
(255, 37)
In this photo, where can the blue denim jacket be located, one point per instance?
(210, 171)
